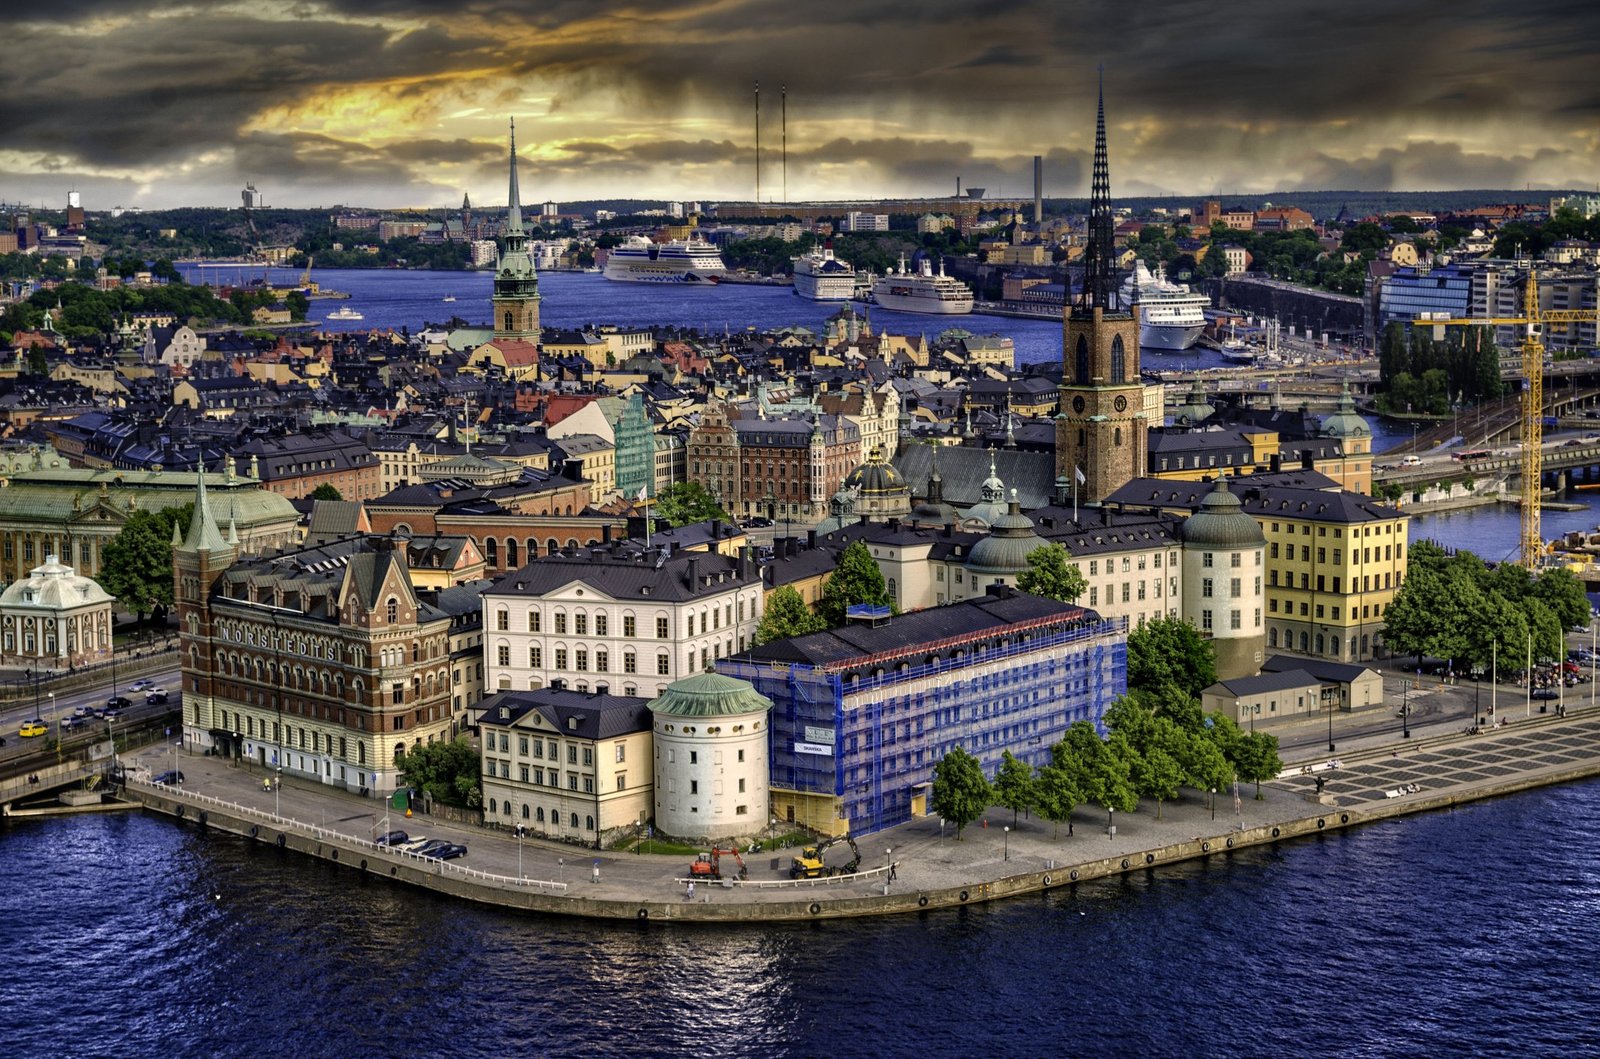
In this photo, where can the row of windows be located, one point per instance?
(579, 659)
(1234, 620)
(1333, 611)
(602, 623)
(1367, 583)
(1383, 528)
(499, 808)
(1368, 555)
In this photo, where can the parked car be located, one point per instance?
(118, 702)
(412, 845)
(155, 698)
(393, 838)
(169, 778)
(83, 712)
(111, 713)
(70, 723)
(450, 851)
(140, 685)
(33, 728)
(1546, 693)
(432, 847)
(1411, 461)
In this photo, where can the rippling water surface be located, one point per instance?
(1469, 932)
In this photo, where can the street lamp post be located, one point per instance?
(1405, 710)
(1007, 840)
(1213, 803)
(1331, 747)
(561, 867)
(55, 722)
(277, 786)
(1477, 691)
(519, 853)
(1111, 824)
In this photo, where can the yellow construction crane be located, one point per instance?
(306, 283)
(1532, 321)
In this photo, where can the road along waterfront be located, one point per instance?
(929, 870)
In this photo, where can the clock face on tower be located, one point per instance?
(1078, 405)
(1121, 403)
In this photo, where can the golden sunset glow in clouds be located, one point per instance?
(405, 102)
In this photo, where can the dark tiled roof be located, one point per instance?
(964, 470)
(1266, 682)
(1328, 672)
(584, 714)
(630, 574)
(1257, 498)
(929, 626)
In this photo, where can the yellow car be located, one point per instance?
(33, 728)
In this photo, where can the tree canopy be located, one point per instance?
(786, 615)
(136, 564)
(1051, 576)
(687, 502)
(447, 771)
(855, 579)
(961, 792)
(326, 491)
(1014, 785)
(1170, 652)
(1457, 608)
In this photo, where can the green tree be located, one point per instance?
(37, 364)
(786, 615)
(447, 771)
(1099, 768)
(326, 491)
(1258, 759)
(136, 564)
(1560, 590)
(1051, 576)
(1054, 795)
(687, 502)
(1015, 786)
(960, 791)
(855, 579)
(1205, 767)
(1170, 651)
(1155, 770)
(298, 304)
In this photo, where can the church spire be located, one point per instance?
(1097, 256)
(203, 533)
(514, 199)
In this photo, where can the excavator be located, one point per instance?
(811, 863)
(709, 865)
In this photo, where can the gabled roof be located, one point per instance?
(588, 715)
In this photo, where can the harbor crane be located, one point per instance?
(1532, 321)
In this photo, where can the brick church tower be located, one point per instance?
(516, 281)
(198, 561)
(1101, 437)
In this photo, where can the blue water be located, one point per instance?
(395, 298)
(1469, 932)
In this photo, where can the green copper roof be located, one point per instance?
(710, 695)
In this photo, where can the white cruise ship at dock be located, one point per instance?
(923, 291)
(639, 260)
(820, 276)
(1171, 316)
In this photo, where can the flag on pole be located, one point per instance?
(1079, 472)
(644, 494)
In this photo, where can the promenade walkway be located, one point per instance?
(930, 866)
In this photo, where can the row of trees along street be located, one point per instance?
(1457, 608)
(1157, 741)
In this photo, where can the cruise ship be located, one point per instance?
(638, 260)
(923, 291)
(1171, 316)
(820, 276)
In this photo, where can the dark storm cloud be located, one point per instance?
(1195, 92)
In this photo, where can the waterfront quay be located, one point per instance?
(918, 866)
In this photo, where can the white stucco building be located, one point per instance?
(711, 771)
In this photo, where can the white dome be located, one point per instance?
(54, 586)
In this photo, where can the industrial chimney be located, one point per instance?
(1038, 190)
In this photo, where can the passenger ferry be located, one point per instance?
(639, 260)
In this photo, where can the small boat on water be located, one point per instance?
(448, 298)
(344, 312)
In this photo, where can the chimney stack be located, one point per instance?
(1038, 190)
(694, 572)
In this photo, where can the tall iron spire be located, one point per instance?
(1098, 268)
(514, 199)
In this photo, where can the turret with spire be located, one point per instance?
(203, 533)
(516, 281)
(1101, 433)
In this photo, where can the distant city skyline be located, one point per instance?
(405, 103)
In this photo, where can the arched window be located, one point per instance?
(588, 822)
(393, 610)
(1333, 646)
(524, 812)
(491, 551)
(509, 318)
(494, 806)
(1116, 436)
(1081, 375)
(551, 547)
(1119, 360)
(539, 815)
(1272, 637)
(574, 819)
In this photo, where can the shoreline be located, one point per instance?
(924, 879)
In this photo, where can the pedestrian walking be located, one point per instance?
(691, 890)
(596, 872)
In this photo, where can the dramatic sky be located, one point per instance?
(405, 102)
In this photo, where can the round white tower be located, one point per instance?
(1224, 572)
(710, 758)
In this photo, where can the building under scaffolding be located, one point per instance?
(862, 714)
